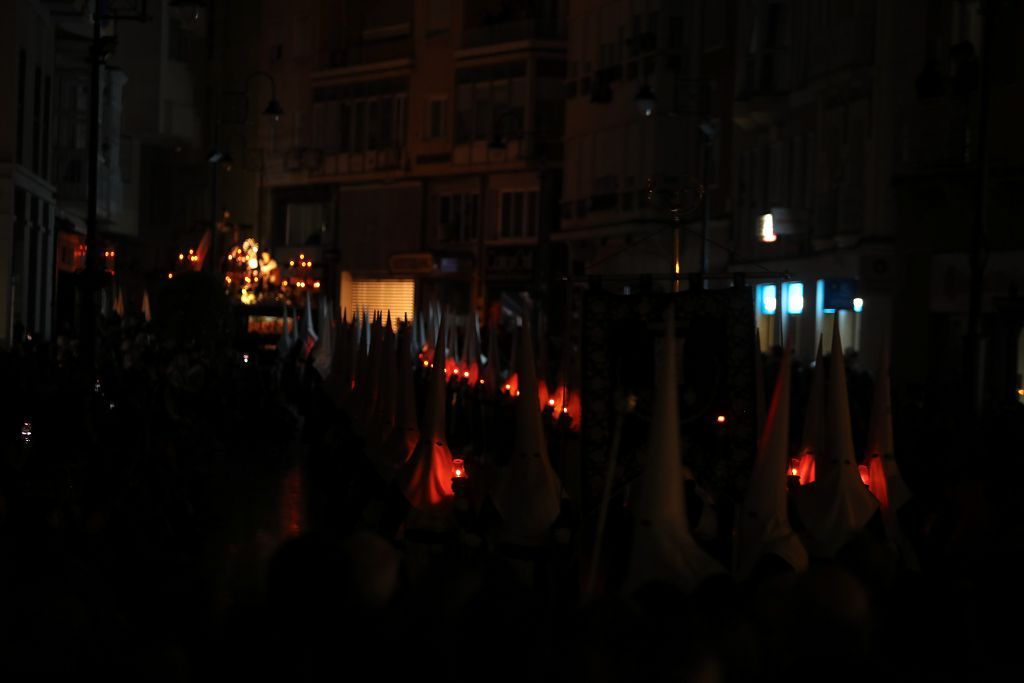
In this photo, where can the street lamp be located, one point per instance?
(646, 100)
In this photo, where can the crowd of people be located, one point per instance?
(182, 513)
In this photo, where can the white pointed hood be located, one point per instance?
(836, 504)
(426, 478)
(662, 548)
(384, 416)
(528, 495)
(323, 354)
(812, 441)
(763, 526)
(887, 483)
(402, 441)
(490, 373)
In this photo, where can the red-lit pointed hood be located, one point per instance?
(837, 503)
(763, 526)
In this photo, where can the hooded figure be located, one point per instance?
(339, 380)
(885, 480)
(324, 352)
(528, 495)
(384, 417)
(426, 477)
(663, 549)
(763, 525)
(406, 433)
(284, 343)
(470, 365)
(490, 374)
(813, 441)
(147, 312)
(837, 503)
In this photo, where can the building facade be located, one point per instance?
(420, 150)
(857, 133)
(649, 94)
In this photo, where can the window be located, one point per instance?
(458, 217)
(37, 119)
(519, 214)
(45, 163)
(304, 223)
(20, 153)
(435, 128)
(394, 296)
(490, 100)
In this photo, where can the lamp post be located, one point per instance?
(646, 101)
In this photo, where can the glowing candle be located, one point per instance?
(458, 468)
(720, 419)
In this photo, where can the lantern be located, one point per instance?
(458, 468)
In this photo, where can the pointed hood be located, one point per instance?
(837, 503)
(384, 416)
(663, 549)
(759, 382)
(405, 435)
(886, 482)
(490, 372)
(147, 311)
(323, 354)
(284, 341)
(119, 302)
(763, 526)
(470, 364)
(528, 495)
(426, 478)
(812, 442)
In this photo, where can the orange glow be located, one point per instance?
(292, 504)
(291, 263)
(1020, 392)
(316, 285)
(794, 467)
(865, 475)
(551, 402)
(426, 363)
(170, 276)
(481, 381)
(458, 468)
(284, 283)
(302, 256)
(466, 374)
(720, 419)
(806, 467)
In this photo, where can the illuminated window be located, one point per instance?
(396, 296)
(769, 299)
(794, 293)
(858, 305)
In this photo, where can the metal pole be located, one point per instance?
(92, 254)
(975, 373)
(705, 180)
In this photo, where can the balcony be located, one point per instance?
(371, 53)
(511, 32)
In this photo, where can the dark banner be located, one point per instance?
(622, 338)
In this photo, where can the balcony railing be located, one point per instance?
(511, 31)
